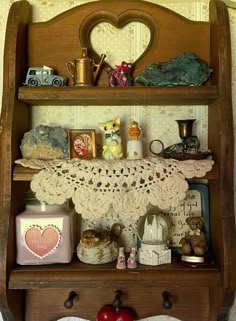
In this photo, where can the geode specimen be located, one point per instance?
(187, 69)
(45, 142)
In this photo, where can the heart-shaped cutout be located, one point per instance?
(100, 34)
(120, 44)
(42, 241)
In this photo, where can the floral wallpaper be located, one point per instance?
(157, 122)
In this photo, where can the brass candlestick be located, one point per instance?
(185, 127)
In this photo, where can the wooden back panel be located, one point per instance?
(61, 39)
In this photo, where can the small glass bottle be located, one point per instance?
(44, 233)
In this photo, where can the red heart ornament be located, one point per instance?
(42, 241)
(124, 314)
(108, 313)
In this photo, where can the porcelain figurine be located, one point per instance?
(121, 75)
(134, 145)
(112, 148)
(121, 263)
(99, 246)
(131, 262)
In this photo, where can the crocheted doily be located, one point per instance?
(129, 186)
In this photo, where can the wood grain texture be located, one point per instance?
(145, 302)
(118, 96)
(14, 121)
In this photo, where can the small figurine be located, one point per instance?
(121, 75)
(112, 149)
(84, 71)
(194, 243)
(134, 131)
(121, 264)
(131, 262)
(99, 246)
(134, 145)
(43, 76)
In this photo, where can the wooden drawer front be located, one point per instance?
(188, 304)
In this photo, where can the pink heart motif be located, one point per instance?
(42, 241)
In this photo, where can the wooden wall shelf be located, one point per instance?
(202, 95)
(77, 274)
(35, 293)
(21, 173)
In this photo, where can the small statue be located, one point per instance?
(121, 75)
(112, 149)
(194, 242)
(121, 264)
(99, 246)
(134, 145)
(133, 130)
(131, 262)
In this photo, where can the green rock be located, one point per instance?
(187, 69)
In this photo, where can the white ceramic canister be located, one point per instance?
(44, 233)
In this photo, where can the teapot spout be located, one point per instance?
(98, 68)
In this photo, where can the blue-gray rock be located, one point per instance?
(187, 69)
(45, 142)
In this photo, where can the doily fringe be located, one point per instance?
(129, 186)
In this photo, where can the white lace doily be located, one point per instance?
(129, 186)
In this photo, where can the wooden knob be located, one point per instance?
(117, 301)
(166, 300)
(68, 304)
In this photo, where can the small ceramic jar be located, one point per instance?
(44, 233)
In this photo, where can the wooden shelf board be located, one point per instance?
(77, 274)
(21, 173)
(135, 95)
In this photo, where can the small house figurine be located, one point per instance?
(134, 145)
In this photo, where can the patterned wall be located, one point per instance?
(156, 122)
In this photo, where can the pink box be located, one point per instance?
(44, 234)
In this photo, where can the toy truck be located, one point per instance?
(43, 76)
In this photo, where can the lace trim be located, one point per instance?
(129, 186)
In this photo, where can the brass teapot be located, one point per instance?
(84, 71)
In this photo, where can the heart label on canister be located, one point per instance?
(42, 241)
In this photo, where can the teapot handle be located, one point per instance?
(70, 66)
(151, 149)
